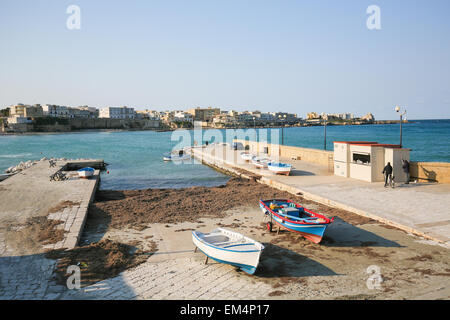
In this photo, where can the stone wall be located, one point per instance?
(430, 171)
(320, 157)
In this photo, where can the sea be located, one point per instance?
(135, 157)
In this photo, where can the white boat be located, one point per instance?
(177, 156)
(86, 172)
(279, 168)
(247, 156)
(226, 246)
(260, 162)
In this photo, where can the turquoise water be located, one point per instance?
(135, 157)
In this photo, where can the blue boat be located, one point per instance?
(293, 217)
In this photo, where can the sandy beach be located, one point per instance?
(291, 267)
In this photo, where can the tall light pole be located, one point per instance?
(397, 109)
(324, 133)
(282, 128)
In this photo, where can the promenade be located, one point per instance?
(419, 208)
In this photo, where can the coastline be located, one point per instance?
(377, 122)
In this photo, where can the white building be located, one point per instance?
(183, 117)
(117, 113)
(51, 110)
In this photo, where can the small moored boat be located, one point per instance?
(292, 216)
(226, 246)
(86, 172)
(179, 155)
(279, 168)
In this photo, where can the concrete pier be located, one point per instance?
(30, 194)
(418, 208)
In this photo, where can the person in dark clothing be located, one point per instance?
(387, 171)
(405, 167)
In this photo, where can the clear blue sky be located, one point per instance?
(296, 56)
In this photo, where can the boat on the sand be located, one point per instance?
(292, 216)
(230, 247)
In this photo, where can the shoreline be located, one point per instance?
(377, 122)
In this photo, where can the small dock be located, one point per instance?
(29, 195)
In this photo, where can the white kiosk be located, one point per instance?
(365, 161)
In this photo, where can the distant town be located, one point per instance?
(47, 118)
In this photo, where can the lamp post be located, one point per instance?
(282, 128)
(397, 109)
(324, 133)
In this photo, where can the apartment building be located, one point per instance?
(117, 113)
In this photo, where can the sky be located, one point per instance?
(292, 56)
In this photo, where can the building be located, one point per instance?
(223, 119)
(26, 111)
(117, 113)
(312, 115)
(181, 116)
(204, 114)
(368, 117)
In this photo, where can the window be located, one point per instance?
(361, 158)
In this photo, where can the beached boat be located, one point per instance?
(86, 172)
(229, 247)
(260, 162)
(292, 216)
(179, 155)
(247, 156)
(279, 168)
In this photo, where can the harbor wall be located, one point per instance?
(320, 157)
(430, 171)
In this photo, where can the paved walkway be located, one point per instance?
(24, 272)
(420, 208)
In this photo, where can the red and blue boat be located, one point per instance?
(292, 216)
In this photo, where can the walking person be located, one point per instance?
(405, 167)
(387, 171)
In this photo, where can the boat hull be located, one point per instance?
(247, 261)
(278, 170)
(85, 173)
(311, 231)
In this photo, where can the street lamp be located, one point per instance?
(282, 128)
(397, 109)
